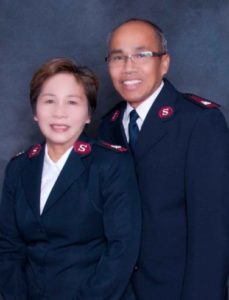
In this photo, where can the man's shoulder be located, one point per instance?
(200, 101)
(189, 100)
(106, 155)
(110, 147)
(107, 151)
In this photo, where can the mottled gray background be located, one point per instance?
(32, 32)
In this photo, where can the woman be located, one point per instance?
(70, 209)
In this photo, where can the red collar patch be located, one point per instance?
(115, 115)
(165, 112)
(114, 147)
(82, 148)
(34, 151)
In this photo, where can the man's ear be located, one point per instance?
(165, 62)
(35, 118)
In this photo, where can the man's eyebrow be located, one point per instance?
(140, 48)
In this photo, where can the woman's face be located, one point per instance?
(62, 111)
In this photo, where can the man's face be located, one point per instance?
(136, 81)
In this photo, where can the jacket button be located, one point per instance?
(136, 268)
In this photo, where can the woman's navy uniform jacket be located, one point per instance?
(182, 164)
(85, 243)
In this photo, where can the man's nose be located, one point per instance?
(129, 64)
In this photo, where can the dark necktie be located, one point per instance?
(133, 129)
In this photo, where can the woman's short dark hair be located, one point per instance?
(55, 66)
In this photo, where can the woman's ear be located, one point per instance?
(88, 121)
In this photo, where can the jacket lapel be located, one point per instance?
(71, 171)
(156, 124)
(117, 130)
(31, 180)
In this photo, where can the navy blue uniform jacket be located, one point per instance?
(182, 163)
(85, 243)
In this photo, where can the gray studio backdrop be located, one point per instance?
(31, 32)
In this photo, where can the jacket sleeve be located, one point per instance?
(207, 190)
(12, 248)
(121, 212)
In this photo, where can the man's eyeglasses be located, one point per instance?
(118, 60)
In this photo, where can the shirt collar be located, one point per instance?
(145, 106)
(58, 164)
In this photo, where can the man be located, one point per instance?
(180, 148)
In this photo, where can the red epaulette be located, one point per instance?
(117, 148)
(201, 101)
(34, 151)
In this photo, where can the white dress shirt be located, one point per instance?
(142, 111)
(50, 173)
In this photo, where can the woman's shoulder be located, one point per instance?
(22, 157)
(30, 152)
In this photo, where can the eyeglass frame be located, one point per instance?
(133, 56)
